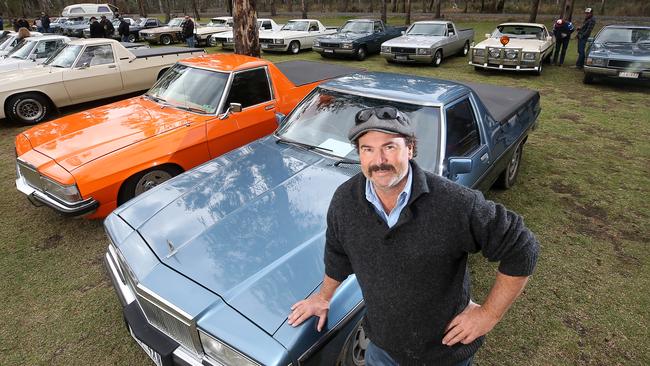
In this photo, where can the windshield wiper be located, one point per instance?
(192, 109)
(346, 161)
(155, 99)
(301, 144)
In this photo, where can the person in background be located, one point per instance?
(23, 33)
(96, 29)
(188, 31)
(22, 23)
(108, 27)
(562, 31)
(45, 21)
(123, 30)
(2, 22)
(584, 31)
(38, 23)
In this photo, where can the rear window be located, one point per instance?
(77, 11)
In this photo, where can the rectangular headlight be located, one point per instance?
(316, 43)
(346, 45)
(65, 193)
(529, 56)
(278, 41)
(480, 52)
(424, 51)
(595, 61)
(223, 353)
(385, 49)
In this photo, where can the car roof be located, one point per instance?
(432, 22)
(303, 20)
(84, 41)
(227, 62)
(47, 37)
(399, 87)
(627, 26)
(524, 24)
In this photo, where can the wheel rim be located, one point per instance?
(150, 180)
(466, 49)
(540, 68)
(359, 347)
(438, 58)
(212, 42)
(131, 38)
(165, 40)
(514, 163)
(361, 53)
(295, 48)
(29, 109)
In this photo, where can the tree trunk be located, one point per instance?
(273, 11)
(482, 6)
(438, 4)
(229, 6)
(466, 6)
(408, 12)
(195, 8)
(247, 40)
(393, 4)
(602, 7)
(303, 4)
(290, 5)
(371, 6)
(384, 9)
(143, 12)
(533, 11)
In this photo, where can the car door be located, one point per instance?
(312, 32)
(253, 90)
(451, 46)
(463, 140)
(94, 75)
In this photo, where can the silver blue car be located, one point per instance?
(208, 264)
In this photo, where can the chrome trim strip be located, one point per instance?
(382, 97)
(170, 308)
(124, 293)
(187, 357)
(326, 337)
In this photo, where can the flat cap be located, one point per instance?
(383, 119)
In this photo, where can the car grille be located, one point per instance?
(266, 40)
(326, 44)
(29, 174)
(409, 51)
(629, 65)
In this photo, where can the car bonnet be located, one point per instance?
(249, 226)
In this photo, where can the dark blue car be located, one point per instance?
(208, 264)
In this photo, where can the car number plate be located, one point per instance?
(401, 57)
(155, 356)
(329, 51)
(631, 75)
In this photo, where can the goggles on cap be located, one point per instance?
(385, 113)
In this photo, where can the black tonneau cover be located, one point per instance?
(304, 72)
(501, 101)
(160, 51)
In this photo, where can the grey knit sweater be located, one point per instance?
(414, 276)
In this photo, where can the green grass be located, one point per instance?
(584, 190)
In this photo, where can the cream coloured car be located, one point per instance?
(514, 46)
(83, 70)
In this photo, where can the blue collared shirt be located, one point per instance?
(392, 217)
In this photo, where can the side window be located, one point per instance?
(44, 49)
(96, 55)
(462, 130)
(313, 27)
(450, 30)
(103, 9)
(249, 88)
(266, 25)
(378, 27)
(77, 11)
(151, 23)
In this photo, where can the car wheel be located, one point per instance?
(509, 175)
(588, 78)
(354, 352)
(540, 68)
(212, 42)
(294, 47)
(132, 38)
(437, 58)
(465, 49)
(28, 108)
(145, 180)
(361, 53)
(166, 39)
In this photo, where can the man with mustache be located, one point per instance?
(406, 235)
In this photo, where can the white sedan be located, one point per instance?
(296, 35)
(31, 53)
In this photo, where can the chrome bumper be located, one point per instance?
(274, 47)
(407, 58)
(604, 71)
(39, 198)
(506, 67)
(335, 51)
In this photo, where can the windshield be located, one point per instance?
(64, 57)
(296, 26)
(324, 118)
(77, 21)
(357, 27)
(518, 31)
(176, 22)
(427, 30)
(217, 23)
(624, 35)
(7, 44)
(4, 37)
(23, 50)
(186, 87)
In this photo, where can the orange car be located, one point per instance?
(90, 162)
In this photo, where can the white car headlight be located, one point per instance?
(494, 53)
(529, 56)
(595, 61)
(346, 45)
(480, 52)
(229, 40)
(316, 43)
(223, 353)
(385, 49)
(424, 51)
(65, 193)
(278, 41)
(511, 54)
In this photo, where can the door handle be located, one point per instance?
(269, 107)
(485, 157)
(112, 66)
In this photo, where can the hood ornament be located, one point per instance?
(172, 249)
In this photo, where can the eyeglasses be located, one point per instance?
(385, 113)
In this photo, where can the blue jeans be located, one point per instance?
(190, 42)
(376, 356)
(582, 44)
(125, 38)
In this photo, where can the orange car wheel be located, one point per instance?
(145, 180)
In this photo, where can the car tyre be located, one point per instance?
(354, 351)
(165, 39)
(361, 53)
(509, 175)
(465, 49)
(437, 58)
(294, 47)
(588, 78)
(540, 69)
(145, 180)
(132, 38)
(28, 108)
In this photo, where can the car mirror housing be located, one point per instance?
(232, 108)
(457, 166)
(280, 118)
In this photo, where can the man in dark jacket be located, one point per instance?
(109, 30)
(406, 235)
(562, 31)
(584, 31)
(188, 31)
(96, 29)
(45, 22)
(123, 30)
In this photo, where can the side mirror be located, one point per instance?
(403, 33)
(549, 38)
(279, 118)
(590, 40)
(457, 166)
(232, 108)
(487, 35)
(32, 57)
(85, 65)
